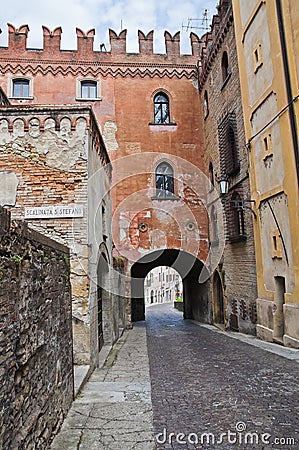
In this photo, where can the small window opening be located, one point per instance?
(21, 88)
(211, 174)
(88, 89)
(206, 105)
(224, 66)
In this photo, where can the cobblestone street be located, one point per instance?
(208, 389)
(204, 381)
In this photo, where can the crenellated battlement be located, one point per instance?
(17, 37)
(17, 42)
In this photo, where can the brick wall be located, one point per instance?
(36, 374)
(54, 156)
(236, 268)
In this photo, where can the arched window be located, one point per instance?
(228, 145)
(224, 66)
(238, 224)
(164, 180)
(161, 108)
(206, 105)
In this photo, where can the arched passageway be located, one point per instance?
(195, 278)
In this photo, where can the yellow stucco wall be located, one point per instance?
(273, 176)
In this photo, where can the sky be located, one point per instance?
(133, 15)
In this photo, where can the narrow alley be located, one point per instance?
(209, 390)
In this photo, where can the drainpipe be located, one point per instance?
(288, 85)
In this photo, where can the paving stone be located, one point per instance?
(206, 382)
(202, 382)
(114, 411)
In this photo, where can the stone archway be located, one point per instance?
(195, 278)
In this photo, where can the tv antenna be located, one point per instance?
(198, 24)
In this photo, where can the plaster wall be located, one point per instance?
(258, 38)
(274, 177)
(270, 168)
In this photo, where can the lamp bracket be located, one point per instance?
(241, 204)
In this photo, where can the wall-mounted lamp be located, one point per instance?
(223, 185)
(238, 203)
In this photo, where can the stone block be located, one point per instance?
(264, 333)
(265, 313)
(291, 324)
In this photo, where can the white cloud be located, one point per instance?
(146, 15)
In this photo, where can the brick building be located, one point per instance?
(233, 284)
(51, 159)
(147, 108)
(169, 147)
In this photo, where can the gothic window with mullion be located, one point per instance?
(238, 213)
(228, 146)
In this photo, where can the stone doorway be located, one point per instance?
(278, 313)
(102, 273)
(218, 301)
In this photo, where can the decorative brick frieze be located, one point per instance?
(104, 69)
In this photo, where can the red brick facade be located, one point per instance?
(126, 85)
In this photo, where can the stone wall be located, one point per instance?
(36, 374)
